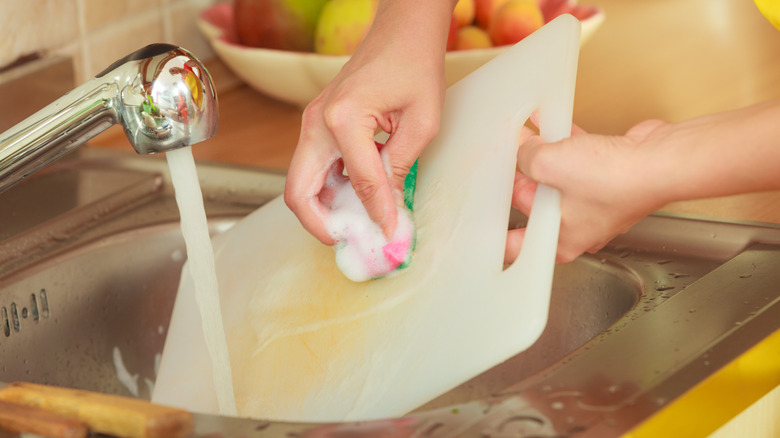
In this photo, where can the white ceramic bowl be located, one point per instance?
(298, 77)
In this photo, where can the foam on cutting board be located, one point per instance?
(362, 251)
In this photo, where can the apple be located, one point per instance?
(464, 12)
(452, 36)
(472, 37)
(342, 25)
(484, 10)
(515, 20)
(277, 24)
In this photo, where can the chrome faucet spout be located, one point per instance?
(161, 95)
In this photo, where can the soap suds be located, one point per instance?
(362, 251)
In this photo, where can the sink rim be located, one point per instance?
(680, 235)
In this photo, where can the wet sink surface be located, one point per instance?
(87, 291)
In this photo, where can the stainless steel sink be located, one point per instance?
(91, 254)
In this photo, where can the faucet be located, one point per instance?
(161, 95)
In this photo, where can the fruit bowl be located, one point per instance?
(298, 77)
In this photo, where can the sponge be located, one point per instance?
(362, 251)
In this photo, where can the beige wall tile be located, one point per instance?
(101, 13)
(182, 17)
(30, 26)
(97, 32)
(120, 39)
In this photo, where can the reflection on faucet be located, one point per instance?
(161, 95)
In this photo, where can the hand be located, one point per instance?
(393, 82)
(603, 191)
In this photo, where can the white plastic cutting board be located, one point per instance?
(307, 344)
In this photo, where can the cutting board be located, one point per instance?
(307, 344)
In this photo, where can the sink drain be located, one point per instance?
(11, 315)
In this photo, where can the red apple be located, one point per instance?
(452, 36)
(277, 24)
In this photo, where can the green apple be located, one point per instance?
(277, 24)
(342, 26)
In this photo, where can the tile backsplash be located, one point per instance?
(95, 33)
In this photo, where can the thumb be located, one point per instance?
(526, 154)
(404, 146)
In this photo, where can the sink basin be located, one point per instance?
(87, 286)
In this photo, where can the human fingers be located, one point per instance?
(354, 138)
(523, 192)
(526, 156)
(514, 242)
(315, 155)
(305, 181)
(414, 131)
(575, 130)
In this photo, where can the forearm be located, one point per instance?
(718, 155)
(414, 26)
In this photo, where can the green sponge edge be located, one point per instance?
(410, 185)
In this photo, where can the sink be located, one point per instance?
(91, 254)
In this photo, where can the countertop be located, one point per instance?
(667, 59)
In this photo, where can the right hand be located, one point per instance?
(394, 82)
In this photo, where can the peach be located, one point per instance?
(472, 37)
(484, 10)
(464, 12)
(515, 20)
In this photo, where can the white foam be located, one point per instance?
(361, 245)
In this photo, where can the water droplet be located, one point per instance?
(691, 310)
(557, 405)
(663, 262)
(664, 287)
(745, 275)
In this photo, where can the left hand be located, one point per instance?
(602, 191)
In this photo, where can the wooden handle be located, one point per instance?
(16, 418)
(107, 414)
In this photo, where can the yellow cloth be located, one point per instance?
(771, 10)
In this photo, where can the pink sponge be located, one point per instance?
(396, 252)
